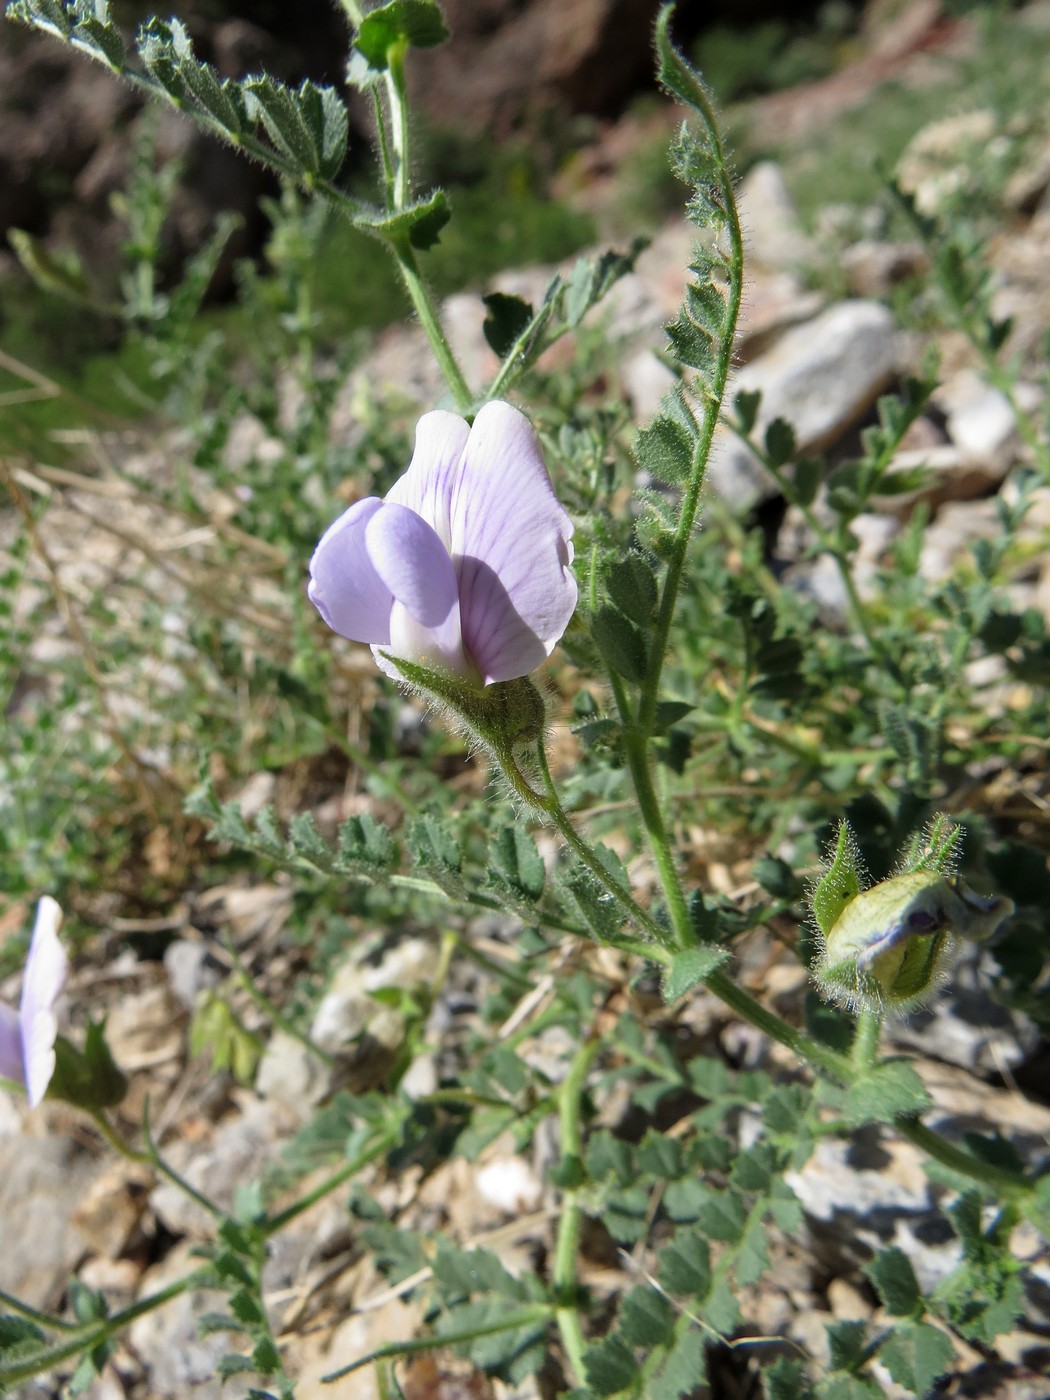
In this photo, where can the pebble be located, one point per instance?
(178, 1359)
(773, 233)
(191, 970)
(822, 376)
(41, 1183)
(510, 1184)
(956, 527)
(292, 1075)
(348, 1007)
(873, 268)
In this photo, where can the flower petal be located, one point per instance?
(427, 486)
(11, 1046)
(344, 586)
(511, 546)
(412, 562)
(45, 976)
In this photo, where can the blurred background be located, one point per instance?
(531, 110)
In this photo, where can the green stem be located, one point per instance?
(658, 641)
(550, 807)
(750, 1010)
(8, 1300)
(1009, 1184)
(118, 1144)
(385, 159)
(565, 1285)
(330, 1183)
(399, 124)
(273, 1013)
(425, 309)
(636, 748)
(865, 1049)
(510, 1322)
(84, 1339)
(152, 1155)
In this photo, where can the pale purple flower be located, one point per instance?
(464, 567)
(27, 1037)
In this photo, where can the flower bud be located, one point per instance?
(890, 943)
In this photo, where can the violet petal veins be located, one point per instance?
(465, 565)
(27, 1037)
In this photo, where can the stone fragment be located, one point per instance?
(773, 233)
(965, 1025)
(822, 377)
(956, 527)
(772, 301)
(936, 164)
(191, 970)
(860, 1195)
(348, 1008)
(111, 1208)
(982, 422)
(322, 1351)
(292, 1075)
(847, 1301)
(178, 1359)
(42, 1180)
(873, 268)
(146, 1029)
(510, 1184)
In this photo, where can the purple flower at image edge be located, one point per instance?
(464, 566)
(27, 1036)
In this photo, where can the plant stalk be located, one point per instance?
(565, 1285)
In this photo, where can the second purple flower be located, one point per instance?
(464, 566)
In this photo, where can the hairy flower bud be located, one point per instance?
(890, 943)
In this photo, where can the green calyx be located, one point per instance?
(507, 717)
(885, 947)
(90, 1078)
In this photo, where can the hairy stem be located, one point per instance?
(1006, 1183)
(84, 1339)
(567, 1315)
(865, 1049)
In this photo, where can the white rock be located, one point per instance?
(955, 529)
(42, 1180)
(936, 163)
(348, 1008)
(872, 268)
(189, 970)
(773, 234)
(291, 1075)
(982, 427)
(822, 377)
(421, 1077)
(510, 1184)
